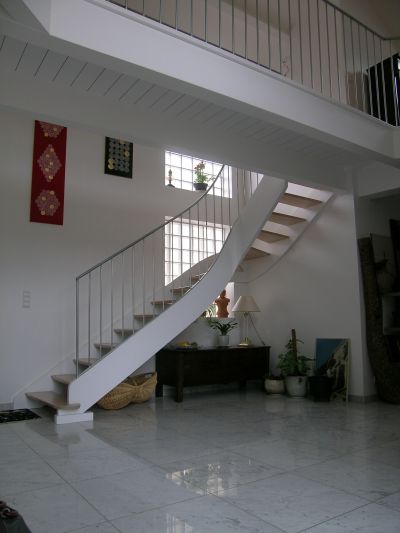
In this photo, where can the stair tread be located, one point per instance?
(66, 379)
(255, 253)
(297, 200)
(106, 345)
(285, 220)
(162, 302)
(180, 289)
(123, 331)
(271, 236)
(55, 400)
(146, 315)
(85, 361)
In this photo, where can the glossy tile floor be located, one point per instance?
(220, 462)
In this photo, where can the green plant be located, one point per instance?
(201, 177)
(209, 312)
(290, 362)
(223, 327)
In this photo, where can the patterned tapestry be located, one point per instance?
(48, 173)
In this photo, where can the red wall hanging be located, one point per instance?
(48, 173)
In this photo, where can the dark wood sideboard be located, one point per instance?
(208, 366)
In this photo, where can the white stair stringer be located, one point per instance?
(112, 369)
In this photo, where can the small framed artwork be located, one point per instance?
(332, 360)
(118, 157)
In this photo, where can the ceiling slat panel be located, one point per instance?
(104, 82)
(165, 101)
(135, 90)
(179, 105)
(68, 71)
(10, 53)
(194, 110)
(210, 111)
(153, 96)
(87, 77)
(49, 67)
(31, 59)
(223, 115)
(119, 88)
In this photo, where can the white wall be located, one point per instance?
(315, 290)
(102, 213)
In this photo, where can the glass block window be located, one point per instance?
(182, 168)
(187, 243)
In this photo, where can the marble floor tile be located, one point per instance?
(357, 475)
(202, 515)
(290, 502)
(367, 519)
(88, 465)
(132, 492)
(216, 472)
(285, 454)
(105, 527)
(20, 476)
(162, 451)
(392, 501)
(55, 510)
(389, 454)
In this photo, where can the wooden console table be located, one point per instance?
(208, 366)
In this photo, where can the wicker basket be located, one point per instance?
(136, 389)
(143, 386)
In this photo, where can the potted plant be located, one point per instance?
(224, 328)
(274, 384)
(294, 368)
(200, 180)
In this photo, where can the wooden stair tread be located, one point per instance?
(51, 398)
(180, 290)
(285, 220)
(255, 253)
(85, 361)
(125, 332)
(65, 379)
(298, 201)
(162, 302)
(271, 236)
(106, 345)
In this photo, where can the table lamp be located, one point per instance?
(246, 305)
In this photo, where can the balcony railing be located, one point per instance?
(311, 42)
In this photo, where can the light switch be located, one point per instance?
(26, 299)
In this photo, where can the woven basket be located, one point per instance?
(136, 389)
(117, 398)
(143, 386)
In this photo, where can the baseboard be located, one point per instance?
(363, 399)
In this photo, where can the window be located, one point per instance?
(187, 243)
(182, 167)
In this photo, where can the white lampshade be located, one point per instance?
(246, 304)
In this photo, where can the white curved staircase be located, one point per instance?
(121, 347)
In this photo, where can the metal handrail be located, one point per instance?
(324, 48)
(119, 290)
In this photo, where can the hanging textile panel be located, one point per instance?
(48, 173)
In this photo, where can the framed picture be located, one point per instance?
(332, 359)
(118, 157)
